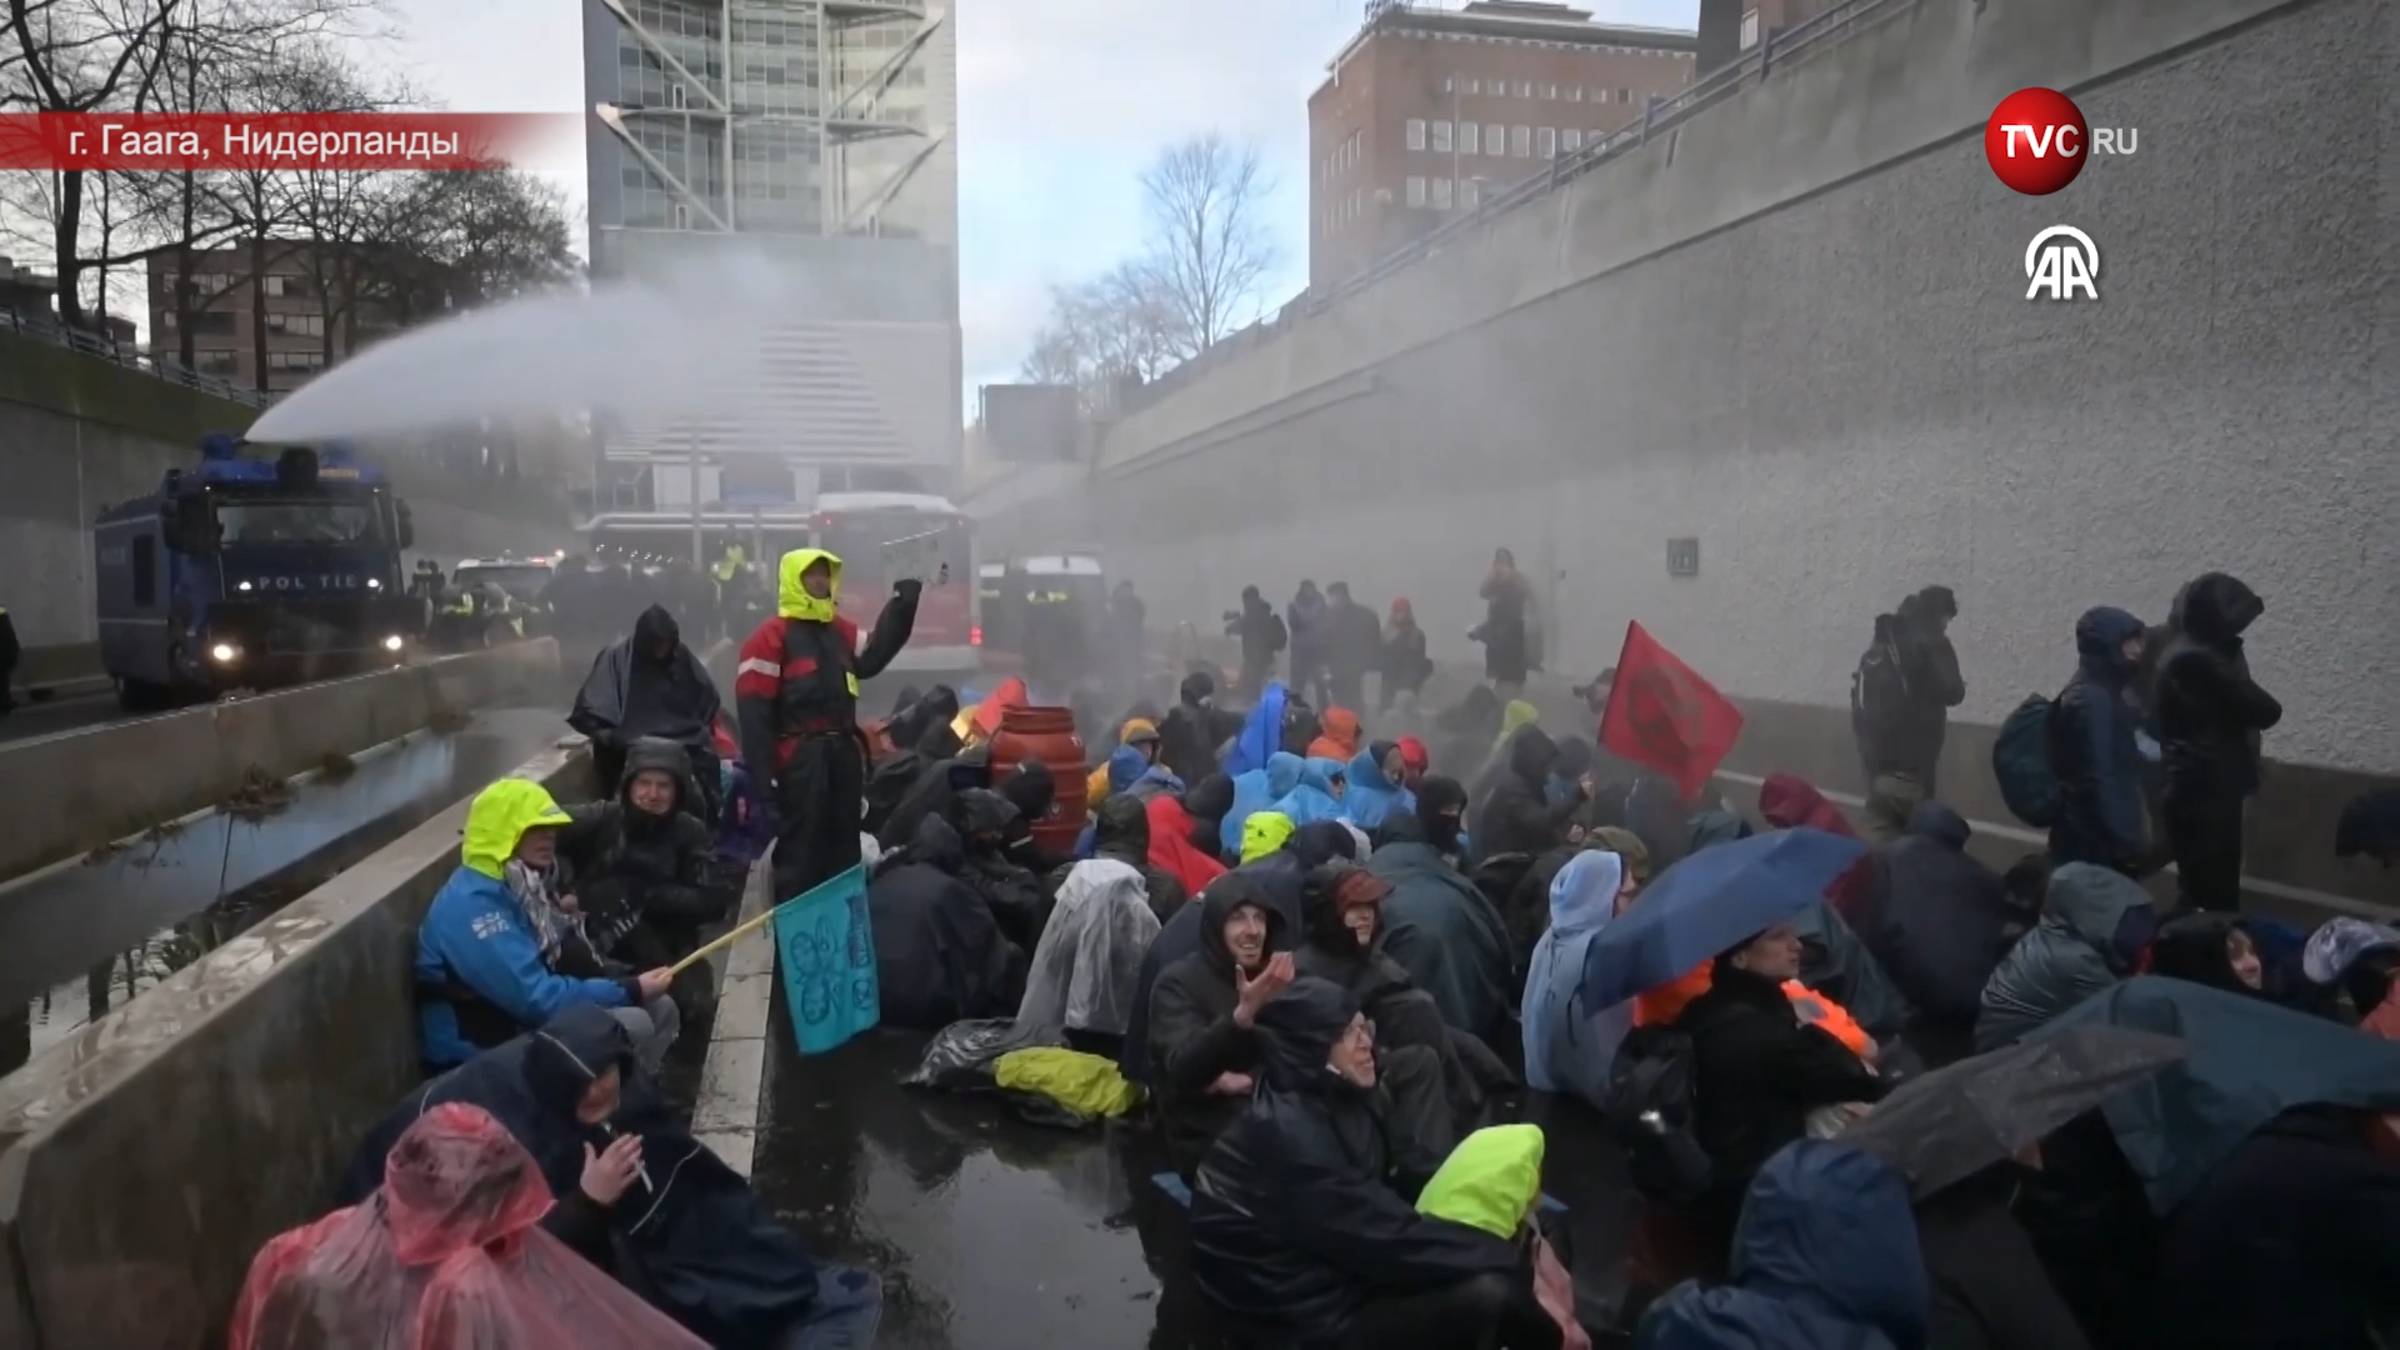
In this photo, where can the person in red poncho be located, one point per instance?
(1171, 847)
(447, 1255)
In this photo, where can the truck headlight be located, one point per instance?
(224, 653)
(374, 583)
(393, 643)
(242, 586)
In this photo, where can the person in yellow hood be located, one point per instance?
(490, 950)
(797, 693)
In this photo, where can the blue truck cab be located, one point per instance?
(247, 572)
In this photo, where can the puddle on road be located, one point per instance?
(86, 937)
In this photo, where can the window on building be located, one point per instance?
(1575, 94)
(1416, 191)
(1550, 91)
(213, 360)
(1624, 96)
(1545, 143)
(1449, 84)
(1468, 142)
(1416, 133)
(1524, 89)
(1441, 194)
(1495, 139)
(679, 216)
(145, 571)
(1600, 96)
(1749, 29)
(275, 285)
(1474, 86)
(1520, 141)
(1470, 193)
(1441, 137)
(1571, 140)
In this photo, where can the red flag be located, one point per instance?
(1661, 714)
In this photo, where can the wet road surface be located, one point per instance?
(993, 1233)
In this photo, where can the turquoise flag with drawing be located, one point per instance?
(825, 947)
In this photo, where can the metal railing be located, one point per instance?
(1771, 53)
(44, 328)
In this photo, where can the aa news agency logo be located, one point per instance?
(2037, 141)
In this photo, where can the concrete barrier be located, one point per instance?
(67, 794)
(144, 1160)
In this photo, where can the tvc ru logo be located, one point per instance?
(2061, 261)
(2036, 141)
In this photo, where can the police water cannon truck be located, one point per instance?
(252, 572)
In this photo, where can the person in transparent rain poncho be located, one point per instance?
(447, 1255)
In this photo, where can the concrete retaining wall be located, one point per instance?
(1794, 329)
(144, 1161)
(64, 795)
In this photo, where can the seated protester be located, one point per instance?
(1318, 794)
(1202, 1014)
(1758, 1071)
(993, 836)
(1825, 1259)
(2209, 948)
(1527, 913)
(928, 714)
(1276, 872)
(1121, 832)
(1299, 1220)
(1378, 787)
(1712, 827)
(1440, 820)
(2093, 930)
(1518, 816)
(1337, 737)
(1492, 761)
(2293, 1240)
(1195, 727)
(1172, 851)
(1256, 791)
(650, 684)
(487, 957)
(1208, 802)
(939, 954)
(1423, 1056)
(449, 1249)
(2361, 957)
(1570, 1046)
(1034, 792)
(1136, 750)
(1082, 983)
(935, 792)
(644, 870)
(1567, 772)
(2369, 827)
(1448, 938)
(1938, 922)
(641, 1197)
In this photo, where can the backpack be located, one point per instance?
(1650, 1109)
(1878, 690)
(2021, 761)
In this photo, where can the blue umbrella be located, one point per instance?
(1709, 901)
(2248, 1061)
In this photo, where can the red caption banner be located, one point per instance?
(175, 142)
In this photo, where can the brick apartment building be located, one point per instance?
(225, 322)
(1428, 109)
(1730, 28)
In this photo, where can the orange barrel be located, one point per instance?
(1046, 736)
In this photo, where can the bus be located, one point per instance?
(881, 537)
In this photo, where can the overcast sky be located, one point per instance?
(1061, 103)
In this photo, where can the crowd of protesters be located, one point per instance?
(1325, 945)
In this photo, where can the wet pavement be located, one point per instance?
(993, 1233)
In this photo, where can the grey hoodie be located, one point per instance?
(2068, 957)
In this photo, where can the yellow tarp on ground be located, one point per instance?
(1085, 1084)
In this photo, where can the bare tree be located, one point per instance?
(1209, 248)
(1116, 327)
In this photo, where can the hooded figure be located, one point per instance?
(939, 953)
(1195, 728)
(1507, 629)
(1306, 615)
(450, 1250)
(1353, 646)
(1570, 1046)
(1193, 1038)
(2370, 826)
(1121, 831)
(1085, 969)
(1295, 1220)
(2211, 949)
(797, 689)
(1314, 797)
(1208, 802)
(649, 685)
(480, 972)
(1905, 688)
(1518, 816)
(1262, 636)
(1374, 794)
(1284, 855)
(1938, 922)
(647, 880)
(1448, 938)
(2092, 750)
(1261, 734)
(1256, 791)
(927, 715)
(935, 793)
(1337, 735)
(2095, 923)
(1825, 1258)
(1405, 665)
(1440, 816)
(2210, 714)
(1171, 847)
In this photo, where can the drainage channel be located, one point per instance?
(87, 935)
